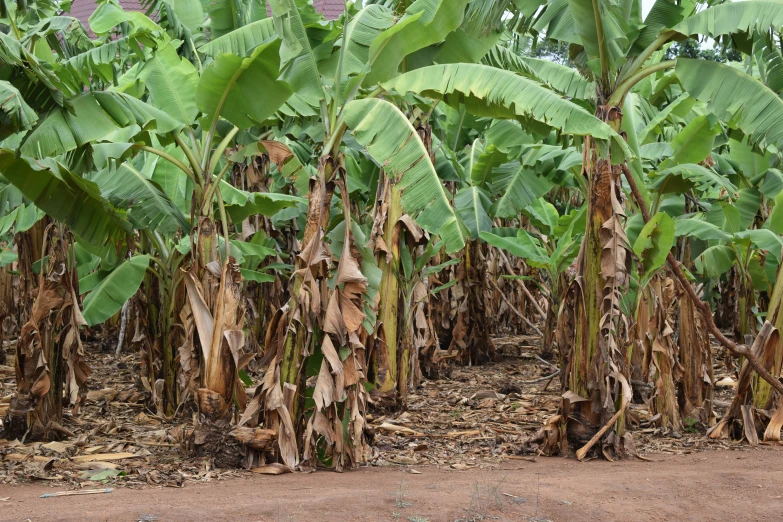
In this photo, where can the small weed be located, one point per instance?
(400, 501)
(493, 492)
(417, 518)
(689, 425)
(474, 511)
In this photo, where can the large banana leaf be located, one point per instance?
(222, 16)
(147, 204)
(734, 17)
(654, 243)
(66, 197)
(770, 60)
(173, 182)
(94, 116)
(362, 30)
(682, 178)
(110, 14)
(715, 261)
(109, 290)
(458, 47)
(543, 215)
(734, 97)
(694, 142)
(616, 26)
(98, 62)
(522, 246)
(189, 13)
(245, 91)
(171, 82)
(518, 186)
(557, 22)
(738, 216)
(483, 162)
(472, 204)
(241, 204)
(495, 93)
(296, 55)
(243, 41)
(763, 239)
(748, 162)
(426, 22)
(630, 125)
(392, 141)
(17, 115)
(695, 226)
(679, 106)
(562, 79)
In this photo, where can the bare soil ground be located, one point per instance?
(457, 453)
(726, 485)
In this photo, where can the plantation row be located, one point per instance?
(341, 208)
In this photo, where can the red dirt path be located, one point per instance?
(712, 485)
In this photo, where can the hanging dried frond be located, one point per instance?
(49, 352)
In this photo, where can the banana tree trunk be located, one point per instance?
(159, 336)
(696, 361)
(696, 386)
(29, 245)
(550, 326)
(292, 332)
(405, 352)
(386, 230)
(215, 324)
(309, 281)
(597, 374)
(664, 352)
(8, 305)
(49, 365)
(323, 321)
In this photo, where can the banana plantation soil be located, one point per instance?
(461, 451)
(725, 485)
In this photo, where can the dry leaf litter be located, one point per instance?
(476, 416)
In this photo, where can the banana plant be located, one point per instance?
(125, 134)
(620, 53)
(365, 46)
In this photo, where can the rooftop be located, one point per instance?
(82, 9)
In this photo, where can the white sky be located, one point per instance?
(646, 6)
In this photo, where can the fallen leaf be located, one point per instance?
(274, 468)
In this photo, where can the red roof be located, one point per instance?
(82, 9)
(332, 9)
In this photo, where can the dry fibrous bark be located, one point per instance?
(324, 320)
(696, 387)
(664, 369)
(461, 314)
(385, 241)
(50, 372)
(596, 375)
(8, 298)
